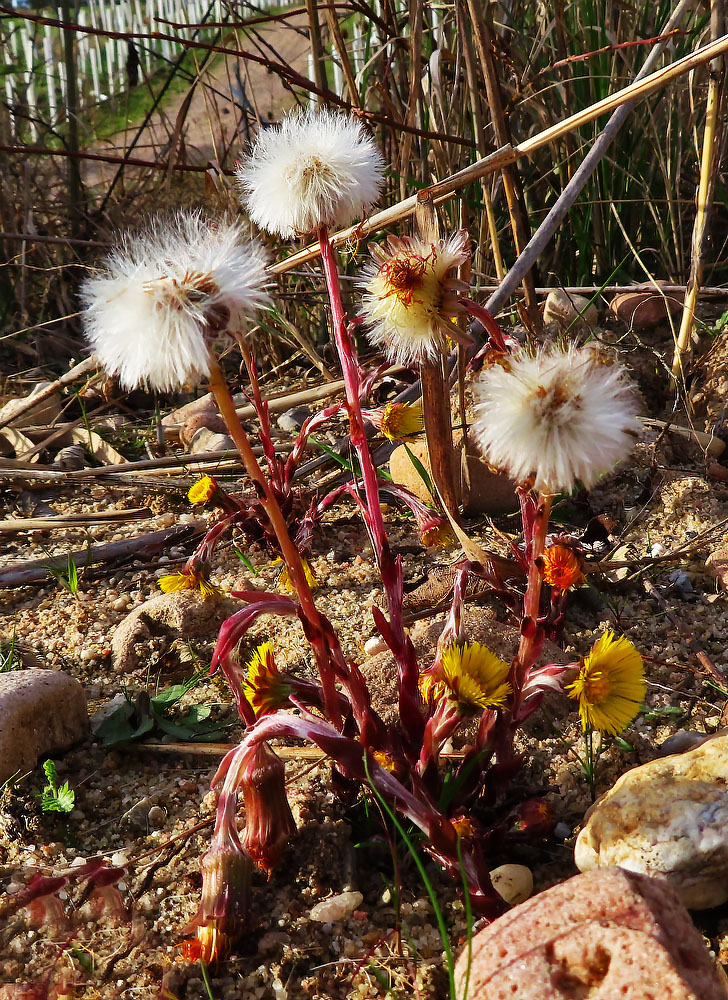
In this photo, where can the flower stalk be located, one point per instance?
(290, 553)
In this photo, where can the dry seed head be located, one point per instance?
(318, 168)
(165, 295)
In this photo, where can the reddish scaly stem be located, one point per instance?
(395, 636)
(535, 527)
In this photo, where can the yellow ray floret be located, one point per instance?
(187, 580)
(284, 578)
(475, 677)
(265, 687)
(610, 686)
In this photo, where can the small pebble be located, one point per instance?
(513, 882)
(336, 908)
(562, 831)
(375, 645)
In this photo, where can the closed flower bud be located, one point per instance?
(268, 818)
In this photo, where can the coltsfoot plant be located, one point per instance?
(549, 417)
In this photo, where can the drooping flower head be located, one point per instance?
(556, 417)
(610, 686)
(411, 297)
(265, 687)
(188, 578)
(318, 168)
(561, 567)
(474, 677)
(166, 294)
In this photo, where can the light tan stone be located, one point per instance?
(480, 490)
(513, 882)
(41, 712)
(569, 310)
(667, 818)
(605, 935)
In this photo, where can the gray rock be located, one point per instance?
(42, 712)
(205, 440)
(292, 420)
(669, 819)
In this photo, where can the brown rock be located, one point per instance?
(480, 490)
(209, 419)
(41, 712)
(605, 935)
(645, 307)
(717, 563)
(183, 614)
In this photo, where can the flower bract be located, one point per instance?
(475, 677)
(610, 685)
(411, 297)
(165, 294)
(556, 417)
(318, 168)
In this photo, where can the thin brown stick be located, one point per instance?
(338, 39)
(314, 35)
(36, 570)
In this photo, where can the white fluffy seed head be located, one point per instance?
(166, 293)
(556, 417)
(410, 296)
(318, 168)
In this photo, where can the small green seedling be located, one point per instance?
(55, 797)
(66, 577)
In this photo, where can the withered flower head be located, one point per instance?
(411, 298)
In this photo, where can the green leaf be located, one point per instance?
(124, 726)
(49, 769)
(623, 744)
(245, 561)
(420, 469)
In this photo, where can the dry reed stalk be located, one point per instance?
(480, 142)
(712, 137)
(511, 178)
(314, 37)
(444, 189)
(340, 45)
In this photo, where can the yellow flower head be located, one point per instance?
(284, 578)
(402, 421)
(561, 567)
(475, 677)
(410, 295)
(439, 534)
(203, 490)
(610, 686)
(187, 580)
(210, 946)
(265, 687)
